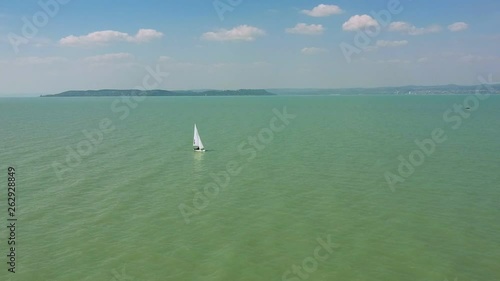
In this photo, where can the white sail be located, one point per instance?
(197, 140)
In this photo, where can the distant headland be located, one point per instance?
(162, 93)
(401, 90)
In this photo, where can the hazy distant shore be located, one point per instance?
(160, 93)
(403, 90)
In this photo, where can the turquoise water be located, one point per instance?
(114, 214)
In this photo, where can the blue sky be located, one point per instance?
(91, 44)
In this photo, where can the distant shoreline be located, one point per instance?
(402, 90)
(162, 93)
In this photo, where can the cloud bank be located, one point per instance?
(239, 33)
(323, 10)
(109, 36)
(305, 29)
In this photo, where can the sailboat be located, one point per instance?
(197, 144)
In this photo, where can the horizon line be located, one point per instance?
(236, 89)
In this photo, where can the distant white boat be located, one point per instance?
(197, 144)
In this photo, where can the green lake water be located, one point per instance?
(111, 209)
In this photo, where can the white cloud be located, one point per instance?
(394, 61)
(40, 42)
(478, 58)
(36, 41)
(109, 36)
(239, 33)
(146, 35)
(458, 26)
(358, 22)
(323, 10)
(40, 60)
(384, 43)
(227, 65)
(400, 26)
(423, 59)
(405, 27)
(312, 51)
(164, 58)
(109, 57)
(302, 28)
